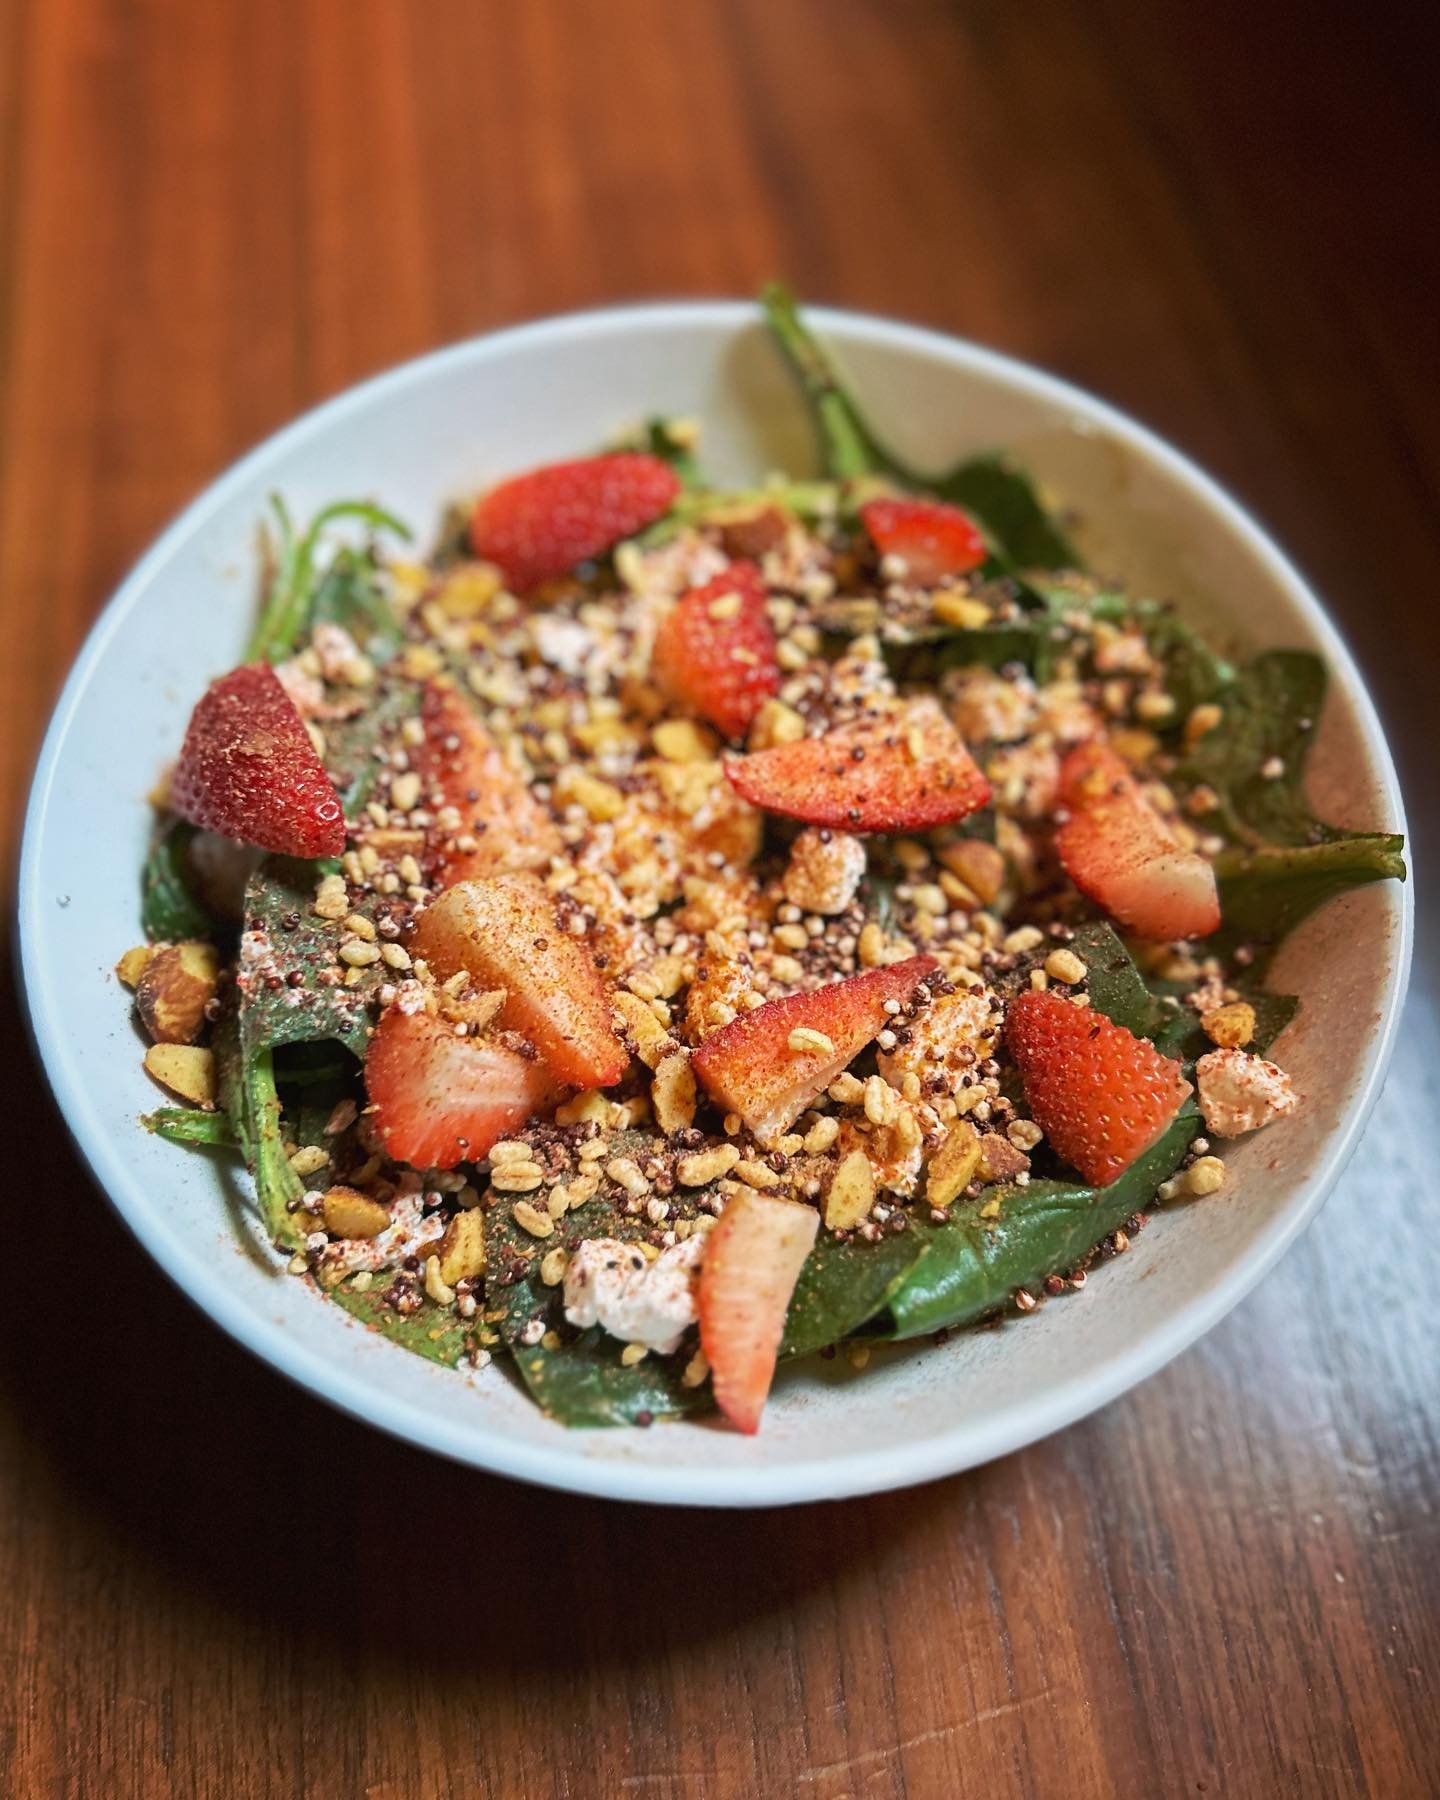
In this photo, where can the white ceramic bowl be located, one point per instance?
(462, 417)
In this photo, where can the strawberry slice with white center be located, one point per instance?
(1099, 1093)
(933, 539)
(506, 933)
(1121, 854)
(768, 1065)
(753, 1258)
(502, 825)
(906, 770)
(443, 1099)
(715, 652)
(249, 770)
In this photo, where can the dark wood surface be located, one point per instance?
(1221, 216)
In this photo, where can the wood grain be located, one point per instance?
(1221, 217)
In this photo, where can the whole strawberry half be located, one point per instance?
(248, 770)
(544, 523)
(933, 539)
(442, 1099)
(768, 1065)
(506, 934)
(502, 825)
(908, 771)
(753, 1258)
(715, 652)
(1100, 1094)
(1121, 854)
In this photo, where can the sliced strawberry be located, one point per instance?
(756, 1066)
(1121, 854)
(544, 523)
(753, 1258)
(934, 540)
(715, 652)
(1100, 1094)
(249, 771)
(908, 771)
(443, 1099)
(505, 932)
(502, 824)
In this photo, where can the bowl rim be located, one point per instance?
(564, 1463)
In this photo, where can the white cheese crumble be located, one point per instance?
(1240, 1092)
(825, 871)
(612, 1285)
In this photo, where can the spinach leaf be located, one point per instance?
(1283, 861)
(809, 500)
(1004, 499)
(352, 745)
(924, 657)
(1270, 714)
(188, 1125)
(583, 1381)
(850, 448)
(998, 495)
(1115, 986)
(287, 611)
(285, 938)
(169, 910)
(661, 438)
(878, 890)
(349, 594)
(438, 1336)
(975, 1263)
(1193, 672)
(1181, 1035)
(249, 1099)
(844, 1284)
(1266, 892)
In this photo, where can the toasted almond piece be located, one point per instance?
(186, 1070)
(350, 1214)
(474, 1010)
(775, 723)
(176, 985)
(462, 1249)
(599, 799)
(978, 864)
(1232, 1026)
(953, 1166)
(672, 1093)
(642, 1031)
(131, 965)
(852, 1193)
(999, 1159)
(683, 741)
(952, 608)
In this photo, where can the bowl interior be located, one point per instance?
(446, 425)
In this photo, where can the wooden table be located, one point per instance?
(1220, 216)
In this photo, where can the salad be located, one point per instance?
(671, 930)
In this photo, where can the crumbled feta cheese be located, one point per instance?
(1126, 653)
(1066, 713)
(612, 1285)
(945, 1041)
(1240, 1092)
(825, 871)
(564, 644)
(307, 691)
(987, 708)
(337, 650)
